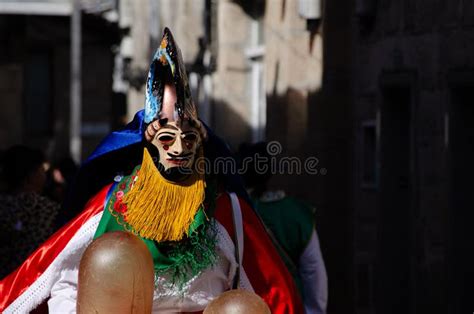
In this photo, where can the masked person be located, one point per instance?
(184, 216)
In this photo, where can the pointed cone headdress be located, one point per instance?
(168, 63)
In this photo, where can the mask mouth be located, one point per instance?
(181, 156)
(179, 161)
(174, 174)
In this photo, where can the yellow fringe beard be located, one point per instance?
(161, 210)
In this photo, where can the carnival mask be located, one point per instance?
(177, 145)
(173, 125)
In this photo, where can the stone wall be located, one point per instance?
(419, 45)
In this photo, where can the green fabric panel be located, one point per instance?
(179, 259)
(108, 223)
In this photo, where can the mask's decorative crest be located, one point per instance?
(168, 62)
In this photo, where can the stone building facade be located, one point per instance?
(413, 113)
(249, 51)
(384, 103)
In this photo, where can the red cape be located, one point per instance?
(261, 262)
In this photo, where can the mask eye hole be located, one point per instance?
(190, 137)
(165, 138)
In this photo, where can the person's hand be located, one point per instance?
(151, 130)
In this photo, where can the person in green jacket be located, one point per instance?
(290, 222)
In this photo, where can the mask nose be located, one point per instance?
(177, 148)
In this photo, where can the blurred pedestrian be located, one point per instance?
(290, 222)
(26, 217)
(61, 176)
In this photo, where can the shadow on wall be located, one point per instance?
(229, 125)
(288, 124)
(330, 138)
(315, 124)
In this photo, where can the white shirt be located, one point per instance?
(313, 274)
(198, 291)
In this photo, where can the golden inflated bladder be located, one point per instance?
(116, 276)
(237, 301)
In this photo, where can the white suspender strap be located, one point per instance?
(239, 235)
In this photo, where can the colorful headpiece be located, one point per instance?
(168, 58)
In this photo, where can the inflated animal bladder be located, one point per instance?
(237, 302)
(116, 276)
